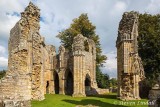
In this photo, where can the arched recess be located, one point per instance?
(69, 83)
(86, 46)
(56, 83)
(87, 83)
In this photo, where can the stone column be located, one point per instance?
(137, 87)
(78, 73)
(51, 83)
(75, 88)
(30, 63)
(61, 83)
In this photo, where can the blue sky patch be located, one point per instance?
(13, 14)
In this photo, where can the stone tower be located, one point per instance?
(129, 65)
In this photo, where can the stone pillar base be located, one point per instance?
(78, 95)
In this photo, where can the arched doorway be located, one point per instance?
(69, 84)
(56, 83)
(87, 84)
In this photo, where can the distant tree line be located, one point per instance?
(104, 81)
(2, 73)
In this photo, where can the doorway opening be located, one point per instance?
(87, 84)
(69, 84)
(56, 83)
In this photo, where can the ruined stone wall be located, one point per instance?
(89, 67)
(17, 82)
(49, 53)
(32, 65)
(83, 65)
(129, 65)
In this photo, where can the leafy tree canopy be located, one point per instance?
(82, 25)
(102, 79)
(2, 73)
(149, 44)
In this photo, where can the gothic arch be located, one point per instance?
(56, 82)
(86, 46)
(87, 83)
(68, 82)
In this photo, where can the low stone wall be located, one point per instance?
(11, 103)
(97, 91)
(102, 91)
(113, 90)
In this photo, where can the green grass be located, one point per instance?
(108, 100)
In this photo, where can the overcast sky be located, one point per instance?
(57, 15)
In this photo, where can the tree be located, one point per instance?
(149, 45)
(82, 25)
(113, 82)
(102, 79)
(2, 73)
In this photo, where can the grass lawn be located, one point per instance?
(108, 100)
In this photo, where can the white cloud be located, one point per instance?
(118, 8)
(153, 7)
(110, 67)
(111, 63)
(3, 62)
(3, 59)
(2, 50)
(58, 15)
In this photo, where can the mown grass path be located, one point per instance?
(108, 100)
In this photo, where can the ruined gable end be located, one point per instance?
(129, 65)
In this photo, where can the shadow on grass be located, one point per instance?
(91, 102)
(107, 96)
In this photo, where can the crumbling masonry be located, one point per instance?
(35, 69)
(129, 65)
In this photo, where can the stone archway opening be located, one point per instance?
(56, 83)
(87, 84)
(47, 87)
(69, 84)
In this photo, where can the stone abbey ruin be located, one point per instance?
(129, 65)
(34, 68)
